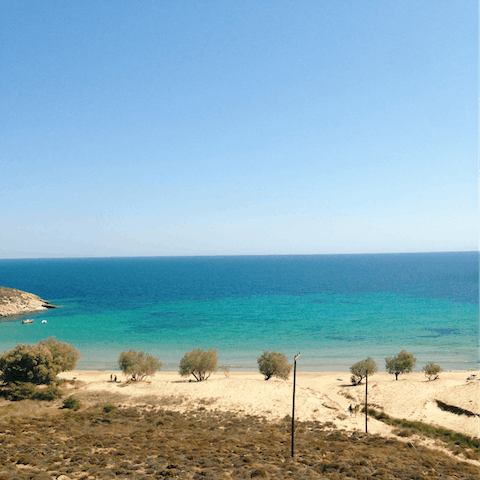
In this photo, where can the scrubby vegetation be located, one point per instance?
(458, 442)
(199, 363)
(404, 362)
(359, 370)
(432, 371)
(274, 364)
(138, 365)
(72, 403)
(145, 443)
(108, 408)
(23, 391)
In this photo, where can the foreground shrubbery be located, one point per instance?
(28, 391)
(141, 444)
(72, 403)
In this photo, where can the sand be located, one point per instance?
(324, 397)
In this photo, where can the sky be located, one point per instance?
(160, 128)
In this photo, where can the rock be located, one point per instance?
(17, 302)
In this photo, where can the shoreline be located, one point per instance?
(333, 370)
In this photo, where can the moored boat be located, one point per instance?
(28, 320)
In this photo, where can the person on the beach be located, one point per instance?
(115, 379)
(111, 377)
(350, 409)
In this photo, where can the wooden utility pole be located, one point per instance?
(366, 401)
(293, 409)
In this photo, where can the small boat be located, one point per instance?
(44, 321)
(28, 320)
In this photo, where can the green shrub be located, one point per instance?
(225, 370)
(108, 408)
(72, 403)
(199, 363)
(49, 394)
(359, 370)
(274, 364)
(20, 391)
(28, 391)
(444, 434)
(138, 365)
(404, 362)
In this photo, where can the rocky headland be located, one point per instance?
(16, 302)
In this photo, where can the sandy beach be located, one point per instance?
(324, 397)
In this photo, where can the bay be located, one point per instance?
(334, 309)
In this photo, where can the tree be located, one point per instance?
(64, 355)
(359, 370)
(37, 364)
(225, 369)
(274, 364)
(138, 365)
(432, 371)
(404, 362)
(199, 363)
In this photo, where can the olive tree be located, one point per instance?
(404, 362)
(432, 371)
(359, 370)
(138, 365)
(64, 355)
(199, 363)
(274, 364)
(37, 364)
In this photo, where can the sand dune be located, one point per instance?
(319, 396)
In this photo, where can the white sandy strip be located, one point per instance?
(319, 396)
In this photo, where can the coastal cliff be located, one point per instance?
(16, 302)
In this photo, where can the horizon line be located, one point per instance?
(237, 255)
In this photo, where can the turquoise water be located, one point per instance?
(334, 309)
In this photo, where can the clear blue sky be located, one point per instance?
(237, 127)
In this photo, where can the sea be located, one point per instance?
(332, 309)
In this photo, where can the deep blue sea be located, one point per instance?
(334, 309)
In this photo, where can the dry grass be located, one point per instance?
(144, 443)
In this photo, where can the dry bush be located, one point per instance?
(135, 443)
